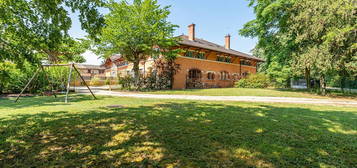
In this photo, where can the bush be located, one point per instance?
(126, 82)
(253, 81)
(95, 82)
(13, 79)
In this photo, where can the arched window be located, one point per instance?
(245, 74)
(210, 76)
(194, 74)
(224, 75)
(235, 77)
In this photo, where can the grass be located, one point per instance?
(43, 132)
(252, 92)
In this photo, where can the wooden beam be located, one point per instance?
(48, 65)
(28, 83)
(68, 82)
(84, 81)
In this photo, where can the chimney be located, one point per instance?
(191, 32)
(228, 41)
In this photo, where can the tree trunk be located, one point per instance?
(343, 74)
(343, 83)
(323, 85)
(308, 78)
(172, 69)
(136, 73)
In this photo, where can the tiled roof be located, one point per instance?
(115, 57)
(200, 43)
(86, 66)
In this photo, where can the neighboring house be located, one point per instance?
(203, 64)
(116, 66)
(90, 71)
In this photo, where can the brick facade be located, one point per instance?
(235, 72)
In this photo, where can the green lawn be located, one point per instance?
(251, 92)
(43, 132)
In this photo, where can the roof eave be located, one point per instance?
(182, 43)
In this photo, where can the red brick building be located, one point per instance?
(203, 64)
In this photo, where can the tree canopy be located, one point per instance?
(137, 30)
(309, 37)
(37, 29)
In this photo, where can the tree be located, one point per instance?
(325, 33)
(167, 66)
(311, 37)
(34, 30)
(136, 31)
(69, 51)
(275, 45)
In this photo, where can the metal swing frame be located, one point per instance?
(41, 67)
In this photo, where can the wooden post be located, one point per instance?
(240, 68)
(110, 83)
(48, 79)
(28, 83)
(84, 81)
(68, 82)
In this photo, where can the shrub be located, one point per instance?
(126, 82)
(95, 82)
(253, 81)
(108, 81)
(13, 79)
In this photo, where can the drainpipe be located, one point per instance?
(256, 67)
(240, 67)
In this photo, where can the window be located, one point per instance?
(210, 76)
(245, 62)
(194, 74)
(101, 71)
(189, 54)
(245, 74)
(89, 71)
(235, 77)
(122, 63)
(224, 75)
(224, 59)
(220, 58)
(228, 59)
(201, 55)
(195, 54)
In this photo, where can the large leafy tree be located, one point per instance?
(137, 30)
(309, 37)
(33, 30)
(325, 33)
(270, 27)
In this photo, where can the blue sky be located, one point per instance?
(213, 18)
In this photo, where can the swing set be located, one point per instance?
(41, 67)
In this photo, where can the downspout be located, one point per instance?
(256, 67)
(240, 67)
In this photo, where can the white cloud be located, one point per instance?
(92, 58)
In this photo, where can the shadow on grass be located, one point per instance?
(182, 135)
(36, 101)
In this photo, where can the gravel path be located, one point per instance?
(335, 102)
